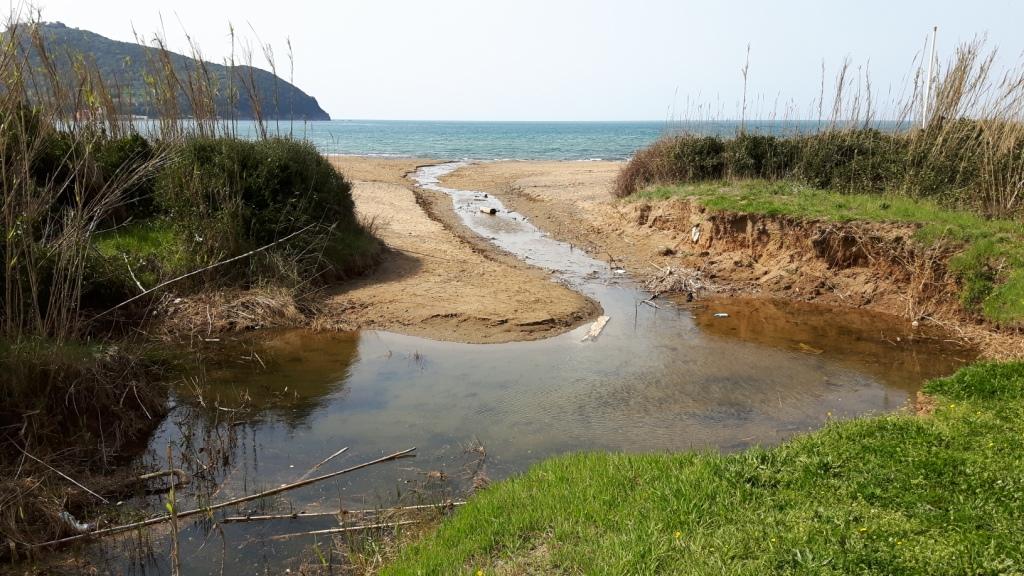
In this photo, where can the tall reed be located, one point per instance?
(968, 153)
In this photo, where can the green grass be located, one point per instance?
(153, 248)
(898, 494)
(990, 267)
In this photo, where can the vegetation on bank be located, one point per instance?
(960, 175)
(989, 267)
(896, 494)
(964, 163)
(98, 221)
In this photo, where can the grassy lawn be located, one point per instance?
(990, 267)
(897, 494)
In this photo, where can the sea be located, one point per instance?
(506, 140)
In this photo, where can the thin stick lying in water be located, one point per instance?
(344, 529)
(299, 515)
(322, 462)
(207, 509)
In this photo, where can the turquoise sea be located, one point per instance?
(506, 140)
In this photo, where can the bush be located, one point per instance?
(268, 188)
(961, 163)
(121, 156)
(227, 196)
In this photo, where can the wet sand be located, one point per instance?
(436, 283)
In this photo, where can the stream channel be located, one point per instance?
(673, 378)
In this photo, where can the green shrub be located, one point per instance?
(227, 196)
(274, 187)
(960, 163)
(121, 156)
(759, 156)
(856, 161)
(698, 158)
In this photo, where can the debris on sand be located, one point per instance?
(677, 280)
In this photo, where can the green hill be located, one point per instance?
(125, 65)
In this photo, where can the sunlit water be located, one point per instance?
(657, 380)
(504, 140)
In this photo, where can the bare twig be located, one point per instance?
(322, 462)
(208, 509)
(64, 476)
(344, 529)
(366, 512)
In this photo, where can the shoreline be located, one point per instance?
(438, 280)
(575, 204)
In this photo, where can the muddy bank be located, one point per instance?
(863, 265)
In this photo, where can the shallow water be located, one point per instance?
(668, 379)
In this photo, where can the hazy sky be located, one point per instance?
(563, 60)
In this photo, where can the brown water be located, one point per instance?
(657, 380)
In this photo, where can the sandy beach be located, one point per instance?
(435, 282)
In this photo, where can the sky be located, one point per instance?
(566, 59)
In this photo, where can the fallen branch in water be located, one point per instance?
(322, 462)
(651, 304)
(596, 328)
(180, 476)
(207, 509)
(300, 515)
(344, 529)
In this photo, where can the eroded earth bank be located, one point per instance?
(678, 245)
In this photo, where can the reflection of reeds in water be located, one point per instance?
(968, 152)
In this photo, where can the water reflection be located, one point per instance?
(658, 379)
(284, 376)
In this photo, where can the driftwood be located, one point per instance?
(368, 511)
(343, 529)
(180, 476)
(596, 328)
(208, 509)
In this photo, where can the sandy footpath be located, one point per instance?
(434, 283)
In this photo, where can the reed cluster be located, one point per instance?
(967, 153)
(102, 213)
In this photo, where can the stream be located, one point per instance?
(672, 378)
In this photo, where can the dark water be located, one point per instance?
(657, 380)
